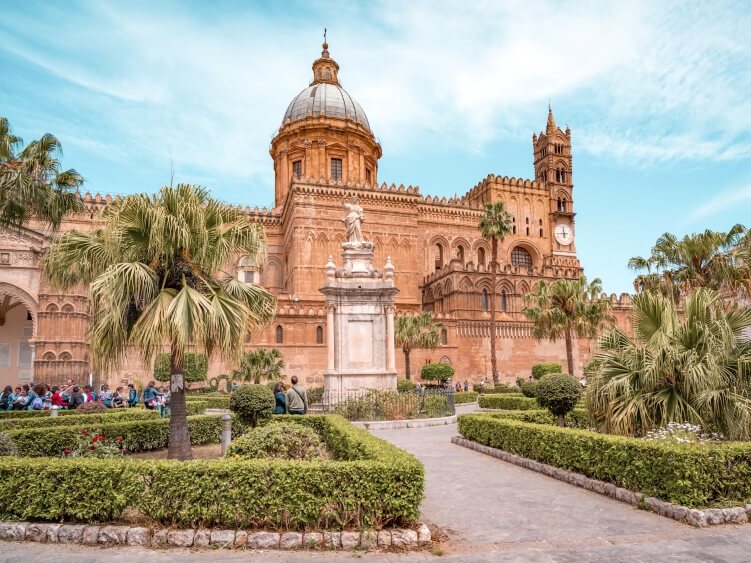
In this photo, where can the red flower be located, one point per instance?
(99, 438)
(67, 452)
(84, 432)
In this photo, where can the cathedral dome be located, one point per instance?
(325, 97)
(325, 100)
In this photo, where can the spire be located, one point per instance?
(551, 120)
(325, 69)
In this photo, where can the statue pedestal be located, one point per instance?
(360, 324)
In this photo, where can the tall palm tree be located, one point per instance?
(155, 278)
(262, 363)
(494, 225)
(419, 331)
(567, 308)
(32, 183)
(695, 368)
(712, 259)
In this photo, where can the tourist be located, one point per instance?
(6, 398)
(77, 398)
(16, 394)
(297, 398)
(118, 401)
(281, 399)
(22, 400)
(164, 396)
(133, 398)
(418, 388)
(583, 381)
(150, 396)
(105, 395)
(89, 393)
(466, 385)
(56, 399)
(36, 398)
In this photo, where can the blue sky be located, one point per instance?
(656, 95)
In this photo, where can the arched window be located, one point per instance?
(67, 308)
(540, 222)
(521, 257)
(504, 301)
(563, 203)
(279, 334)
(481, 256)
(444, 337)
(527, 231)
(460, 254)
(328, 72)
(247, 271)
(438, 250)
(51, 308)
(319, 335)
(49, 356)
(513, 225)
(484, 300)
(65, 356)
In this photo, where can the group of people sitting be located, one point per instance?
(71, 396)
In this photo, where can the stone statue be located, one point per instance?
(353, 221)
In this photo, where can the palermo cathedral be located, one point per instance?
(323, 153)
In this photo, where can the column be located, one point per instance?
(390, 355)
(330, 356)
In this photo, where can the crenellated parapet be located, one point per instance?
(482, 192)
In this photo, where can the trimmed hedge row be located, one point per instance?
(465, 397)
(123, 415)
(196, 407)
(376, 485)
(211, 402)
(698, 475)
(495, 390)
(507, 402)
(577, 418)
(7, 415)
(143, 435)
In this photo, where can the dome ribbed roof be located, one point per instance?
(325, 99)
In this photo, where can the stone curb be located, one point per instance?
(397, 424)
(112, 536)
(697, 518)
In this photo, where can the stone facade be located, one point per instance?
(323, 153)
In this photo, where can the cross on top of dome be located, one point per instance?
(325, 69)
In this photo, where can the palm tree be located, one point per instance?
(155, 278)
(262, 363)
(419, 331)
(694, 368)
(494, 225)
(567, 308)
(712, 259)
(31, 182)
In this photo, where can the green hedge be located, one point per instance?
(372, 484)
(507, 402)
(465, 397)
(540, 370)
(196, 407)
(577, 418)
(6, 415)
(144, 435)
(122, 415)
(211, 402)
(691, 475)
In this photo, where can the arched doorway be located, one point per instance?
(18, 323)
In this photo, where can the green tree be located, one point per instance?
(263, 363)
(558, 392)
(437, 372)
(196, 367)
(495, 224)
(712, 259)
(252, 403)
(418, 331)
(154, 271)
(567, 308)
(32, 183)
(696, 368)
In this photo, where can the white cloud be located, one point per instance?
(719, 203)
(643, 82)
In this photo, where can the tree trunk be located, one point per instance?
(406, 362)
(569, 351)
(493, 274)
(562, 420)
(179, 435)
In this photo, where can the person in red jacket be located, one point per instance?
(57, 399)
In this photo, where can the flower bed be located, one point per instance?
(124, 415)
(507, 402)
(698, 475)
(371, 484)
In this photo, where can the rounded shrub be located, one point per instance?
(252, 403)
(91, 407)
(279, 440)
(540, 370)
(7, 447)
(437, 372)
(405, 386)
(558, 392)
(529, 388)
(436, 406)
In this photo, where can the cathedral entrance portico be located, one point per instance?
(17, 330)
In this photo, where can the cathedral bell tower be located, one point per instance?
(554, 166)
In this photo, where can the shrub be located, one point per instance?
(252, 403)
(465, 397)
(92, 444)
(315, 394)
(196, 367)
(437, 406)
(577, 418)
(507, 402)
(280, 440)
(196, 407)
(558, 393)
(695, 476)
(218, 402)
(437, 372)
(91, 407)
(538, 370)
(377, 485)
(381, 405)
(529, 389)
(120, 415)
(405, 386)
(7, 447)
